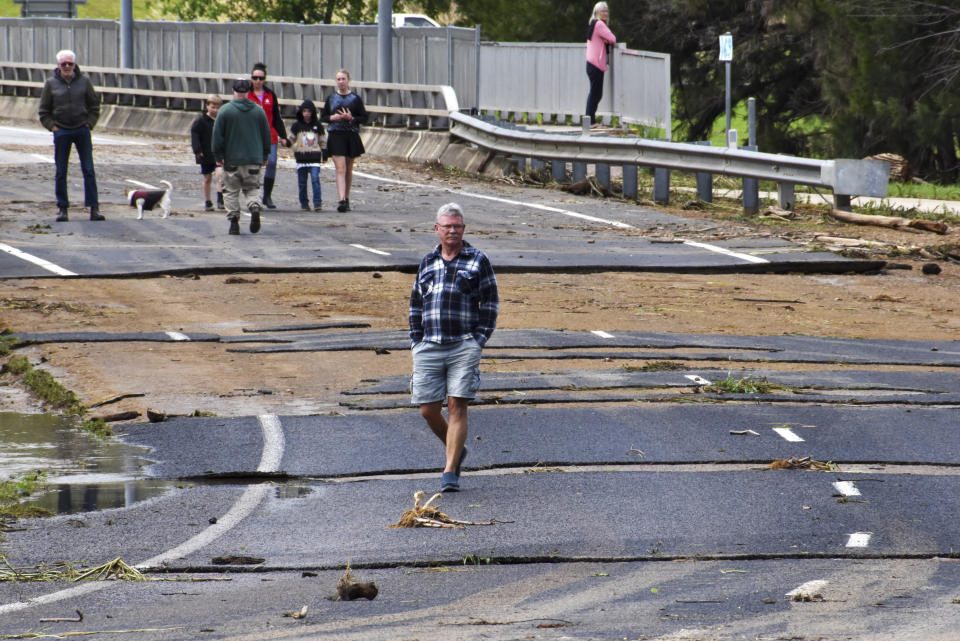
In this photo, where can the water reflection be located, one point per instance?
(84, 473)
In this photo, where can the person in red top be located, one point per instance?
(262, 95)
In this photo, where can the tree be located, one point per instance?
(527, 20)
(297, 11)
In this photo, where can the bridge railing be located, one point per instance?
(393, 104)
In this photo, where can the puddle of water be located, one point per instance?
(83, 473)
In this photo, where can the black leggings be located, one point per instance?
(596, 91)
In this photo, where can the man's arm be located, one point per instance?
(45, 112)
(93, 105)
(415, 316)
(217, 140)
(489, 302)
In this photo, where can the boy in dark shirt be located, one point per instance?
(201, 135)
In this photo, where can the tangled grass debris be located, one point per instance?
(427, 515)
(116, 569)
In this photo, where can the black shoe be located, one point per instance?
(347, 201)
(254, 218)
(234, 227)
(62, 215)
(268, 203)
(342, 206)
(95, 214)
(208, 206)
(220, 204)
(318, 207)
(304, 207)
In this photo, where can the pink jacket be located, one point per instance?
(597, 45)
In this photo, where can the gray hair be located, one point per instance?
(450, 209)
(597, 8)
(66, 54)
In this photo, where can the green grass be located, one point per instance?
(748, 385)
(13, 490)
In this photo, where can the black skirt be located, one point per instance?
(344, 143)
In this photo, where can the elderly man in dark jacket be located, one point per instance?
(70, 108)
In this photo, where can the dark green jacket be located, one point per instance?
(241, 134)
(68, 105)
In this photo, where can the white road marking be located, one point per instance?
(788, 434)
(43, 158)
(699, 380)
(39, 262)
(370, 249)
(177, 336)
(141, 184)
(728, 252)
(508, 201)
(601, 333)
(859, 539)
(847, 488)
(809, 588)
(273, 445)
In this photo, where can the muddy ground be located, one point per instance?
(179, 378)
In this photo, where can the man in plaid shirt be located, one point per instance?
(453, 311)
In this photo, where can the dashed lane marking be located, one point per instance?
(788, 434)
(508, 201)
(273, 446)
(859, 539)
(177, 336)
(39, 262)
(601, 333)
(369, 249)
(725, 251)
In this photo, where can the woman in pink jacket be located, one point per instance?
(599, 37)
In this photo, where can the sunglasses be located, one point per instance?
(67, 64)
(258, 77)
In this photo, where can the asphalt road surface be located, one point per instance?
(594, 513)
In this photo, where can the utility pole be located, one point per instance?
(384, 40)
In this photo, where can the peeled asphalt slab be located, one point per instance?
(390, 228)
(587, 600)
(536, 517)
(396, 442)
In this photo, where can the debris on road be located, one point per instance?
(297, 614)
(233, 559)
(428, 516)
(800, 463)
(349, 589)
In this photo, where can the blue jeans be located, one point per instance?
(270, 171)
(314, 173)
(62, 140)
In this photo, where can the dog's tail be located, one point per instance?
(169, 186)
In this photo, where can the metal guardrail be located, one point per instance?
(843, 177)
(391, 104)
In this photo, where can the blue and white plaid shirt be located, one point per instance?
(452, 301)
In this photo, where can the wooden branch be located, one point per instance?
(889, 221)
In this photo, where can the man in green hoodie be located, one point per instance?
(241, 141)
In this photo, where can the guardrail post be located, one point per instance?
(751, 190)
(631, 188)
(661, 185)
(785, 196)
(536, 164)
(579, 167)
(603, 174)
(704, 180)
(842, 202)
(559, 170)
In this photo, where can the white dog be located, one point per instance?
(150, 198)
